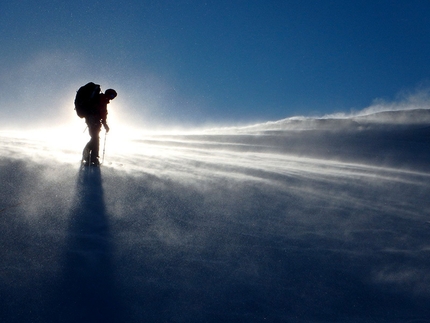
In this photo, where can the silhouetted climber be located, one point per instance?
(91, 104)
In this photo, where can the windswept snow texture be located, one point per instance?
(324, 221)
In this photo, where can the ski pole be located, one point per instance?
(104, 147)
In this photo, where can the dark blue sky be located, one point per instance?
(198, 62)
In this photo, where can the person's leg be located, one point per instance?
(92, 147)
(94, 143)
(86, 153)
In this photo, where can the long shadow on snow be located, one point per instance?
(88, 291)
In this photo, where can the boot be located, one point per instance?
(86, 156)
(95, 162)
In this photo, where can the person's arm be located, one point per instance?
(103, 114)
(106, 126)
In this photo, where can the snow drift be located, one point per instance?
(301, 220)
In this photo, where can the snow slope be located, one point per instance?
(325, 221)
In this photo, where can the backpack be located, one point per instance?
(86, 99)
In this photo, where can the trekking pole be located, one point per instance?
(104, 148)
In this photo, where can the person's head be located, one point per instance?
(110, 94)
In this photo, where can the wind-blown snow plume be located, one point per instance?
(279, 221)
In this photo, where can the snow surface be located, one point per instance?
(325, 220)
